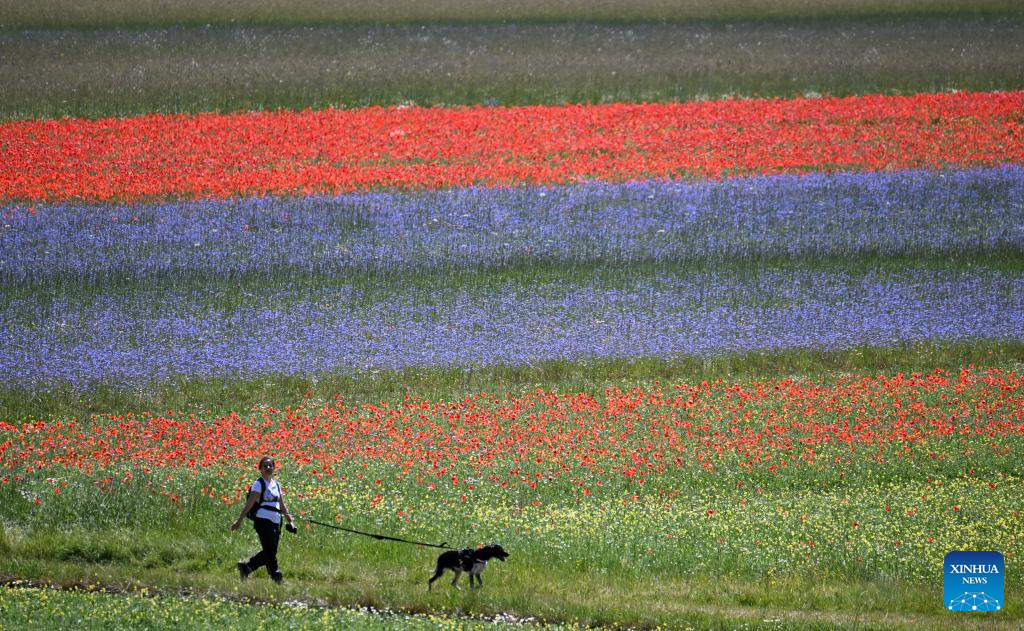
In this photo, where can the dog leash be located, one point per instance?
(378, 537)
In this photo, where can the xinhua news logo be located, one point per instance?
(974, 581)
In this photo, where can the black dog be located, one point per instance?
(467, 560)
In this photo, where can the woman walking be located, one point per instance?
(266, 494)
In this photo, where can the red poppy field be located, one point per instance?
(333, 151)
(631, 437)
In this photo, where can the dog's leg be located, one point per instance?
(479, 580)
(455, 580)
(437, 575)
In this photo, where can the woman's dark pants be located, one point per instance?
(270, 535)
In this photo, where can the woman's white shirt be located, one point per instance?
(271, 497)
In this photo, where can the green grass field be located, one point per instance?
(226, 68)
(151, 13)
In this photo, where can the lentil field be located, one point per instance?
(721, 340)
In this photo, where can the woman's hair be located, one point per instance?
(264, 460)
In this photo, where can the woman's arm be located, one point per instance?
(284, 510)
(254, 497)
(290, 527)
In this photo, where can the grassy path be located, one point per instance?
(21, 602)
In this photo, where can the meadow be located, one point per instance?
(122, 72)
(710, 313)
(62, 14)
(860, 484)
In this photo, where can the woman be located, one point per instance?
(265, 491)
